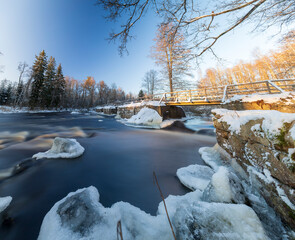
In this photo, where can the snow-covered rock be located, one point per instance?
(195, 176)
(4, 203)
(146, 116)
(62, 148)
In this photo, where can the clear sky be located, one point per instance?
(75, 32)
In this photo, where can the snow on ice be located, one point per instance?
(62, 148)
(4, 203)
(146, 116)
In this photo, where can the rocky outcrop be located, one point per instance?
(263, 144)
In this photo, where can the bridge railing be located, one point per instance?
(221, 93)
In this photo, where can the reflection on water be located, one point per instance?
(118, 161)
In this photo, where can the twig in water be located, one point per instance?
(156, 180)
(119, 231)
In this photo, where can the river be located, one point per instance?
(118, 160)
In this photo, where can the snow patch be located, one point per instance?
(62, 148)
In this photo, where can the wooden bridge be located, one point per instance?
(217, 95)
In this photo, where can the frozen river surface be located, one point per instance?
(118, 160)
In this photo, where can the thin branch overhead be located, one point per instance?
(200, 20)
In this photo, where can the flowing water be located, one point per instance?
(118, 160)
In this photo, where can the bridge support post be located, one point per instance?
(224, 93)
(268, 88)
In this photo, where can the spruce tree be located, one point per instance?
(140, 94)
(47, 90)
(38, 71)
(59, 86)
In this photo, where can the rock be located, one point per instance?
(267, 151)
(178, 126)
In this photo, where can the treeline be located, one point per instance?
(90, 93)
(279, 64)
(44, 86)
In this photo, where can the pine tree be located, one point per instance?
(47, 91)
(59, 86)
(38, 71)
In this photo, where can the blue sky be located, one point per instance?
(75, 32)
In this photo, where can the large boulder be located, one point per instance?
(263, 144)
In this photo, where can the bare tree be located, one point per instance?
(150, 82)
(171, 53)
(199, 19)
(23, 69)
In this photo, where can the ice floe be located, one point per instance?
(4, 203)
(195, 176)
(62, 148)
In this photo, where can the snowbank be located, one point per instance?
(267, 98)
(146, 116)
(4, 203)
(62, 148)
(81, 216)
